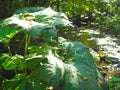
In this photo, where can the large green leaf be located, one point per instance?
(40, 22)
(3, 57)
(21, 82)
(67, 67)
(17, 82)
(46, 33)
(7, 32)
(74, 73)
(12, 62)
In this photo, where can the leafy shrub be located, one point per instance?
(62, 64)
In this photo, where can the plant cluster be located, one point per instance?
(48, 61)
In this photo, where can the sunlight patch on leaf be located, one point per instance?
(23, 23)
(42, 23)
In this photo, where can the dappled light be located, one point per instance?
(59, 45)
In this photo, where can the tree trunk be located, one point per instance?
(58, 5)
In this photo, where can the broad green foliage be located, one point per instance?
(18, 81)
(39, 22)
(49, 67)
(7, 32)
(21, 82)
(60, 65)
(11, 63)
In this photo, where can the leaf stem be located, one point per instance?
(9, 50)
(27, 41)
